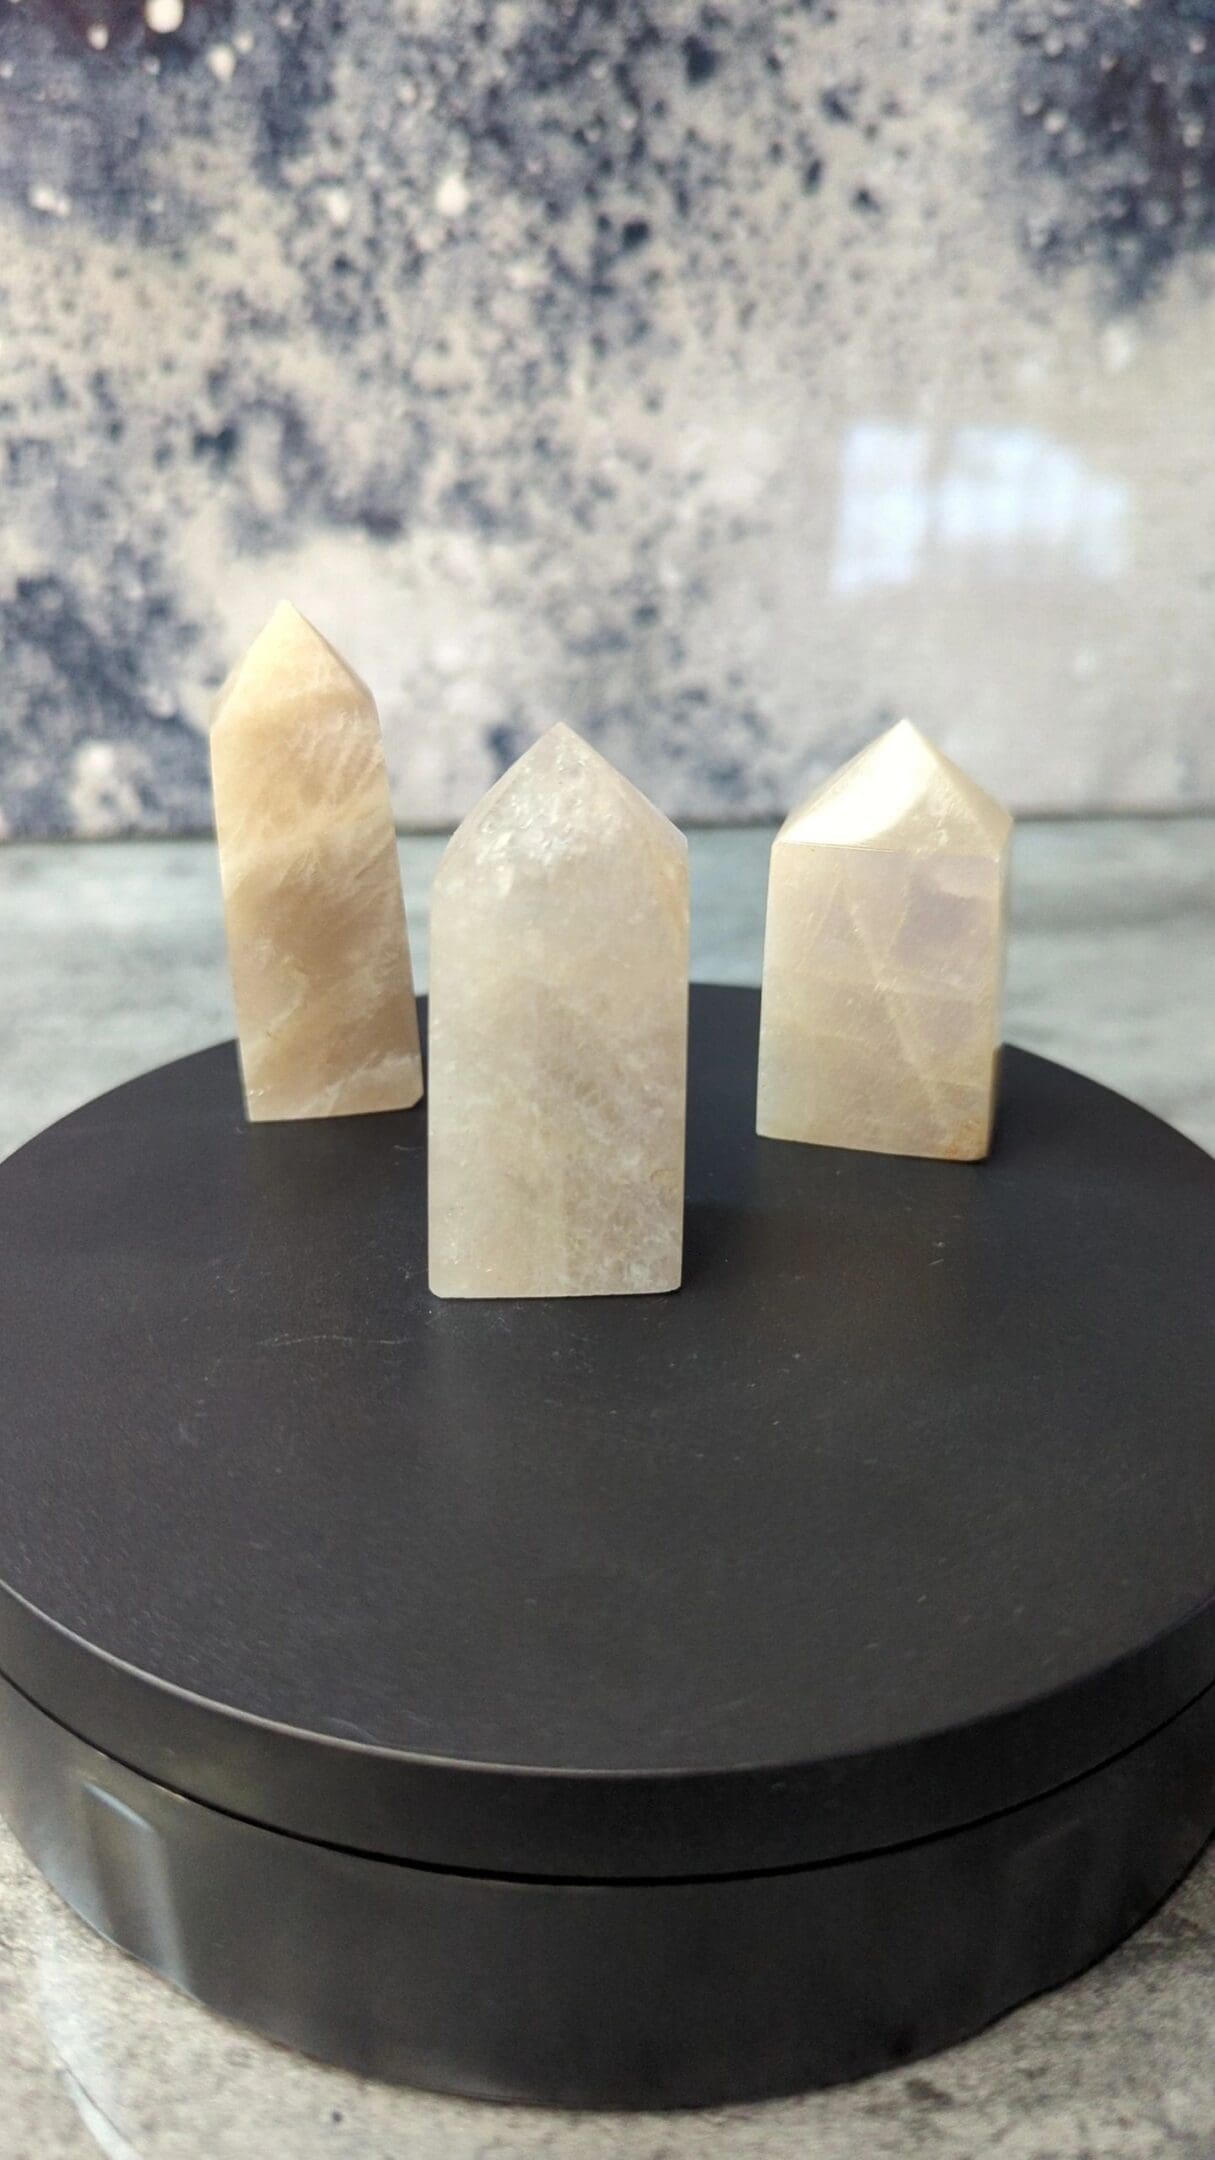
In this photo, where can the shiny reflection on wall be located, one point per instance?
(991, 498)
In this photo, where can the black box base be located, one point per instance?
(611, 1995)
(621, 1702)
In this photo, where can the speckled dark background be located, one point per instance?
(723, 380)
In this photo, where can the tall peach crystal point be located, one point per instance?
(558, 1037)
(884, 958)
(317, 939)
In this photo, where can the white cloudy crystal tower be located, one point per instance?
(317, 939)
(558, 1037)
(884, 958)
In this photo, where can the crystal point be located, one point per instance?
(317, 938)
(884, 958)
(558, 1037)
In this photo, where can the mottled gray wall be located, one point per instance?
(722, 379)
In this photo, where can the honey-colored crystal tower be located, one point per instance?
(558, 1037)
(884, 958)
(317, 938)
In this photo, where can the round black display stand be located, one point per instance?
(629, 1701)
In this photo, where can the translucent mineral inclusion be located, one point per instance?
(317, 939)
(558, 1037)
(884, 958)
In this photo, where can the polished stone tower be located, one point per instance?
(884, 958)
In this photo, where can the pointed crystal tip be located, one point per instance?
(900, 792)
(560, 788)
(288, 658)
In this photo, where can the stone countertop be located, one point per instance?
(114, 962)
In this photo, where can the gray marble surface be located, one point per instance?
(113, 961)
(723, 380)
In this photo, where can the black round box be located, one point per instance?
(624, 1702)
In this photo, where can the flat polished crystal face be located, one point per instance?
(884, 959)
(558, 1037)
(317, 940)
